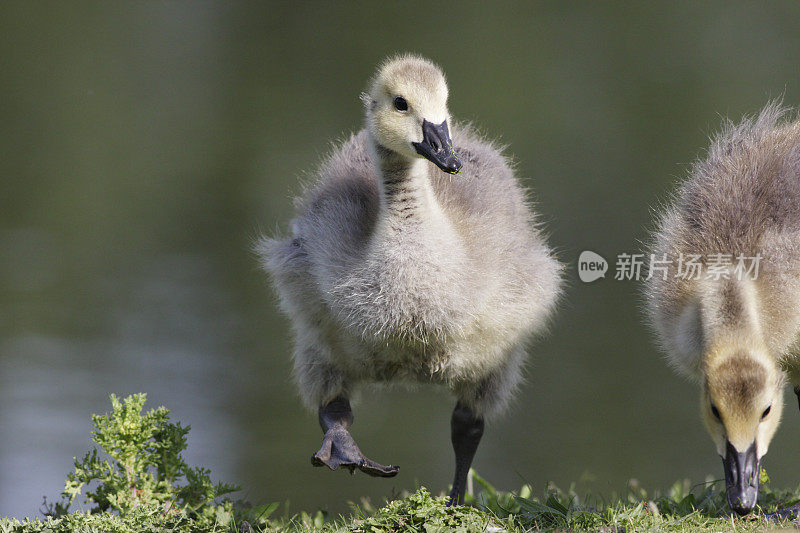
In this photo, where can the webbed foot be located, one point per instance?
(789, 513)
(339, 449)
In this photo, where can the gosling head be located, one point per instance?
(407, 111)
(741, 404)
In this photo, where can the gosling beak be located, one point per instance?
(741, 478)
(437, 146)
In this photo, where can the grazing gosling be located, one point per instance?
(735, 326)
(397, 270)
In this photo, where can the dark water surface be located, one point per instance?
(144, 145)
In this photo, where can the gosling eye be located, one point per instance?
(400, 103)
(766, 412)
(716, 412)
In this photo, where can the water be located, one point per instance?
(144, 146)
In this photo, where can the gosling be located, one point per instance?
(733, 323)
(398, 270)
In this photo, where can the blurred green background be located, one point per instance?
(143, 146)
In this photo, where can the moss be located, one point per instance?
(421, 512)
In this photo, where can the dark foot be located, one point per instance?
(797, 392)
(466, 430)
(790, 513)
(455, 497)
(339, 449)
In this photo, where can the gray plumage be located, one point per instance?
(735, 331)
(433, 278)
(742, 199)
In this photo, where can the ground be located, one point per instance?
(683, 507)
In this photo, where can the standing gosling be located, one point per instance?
(397, 270)
(735, 327)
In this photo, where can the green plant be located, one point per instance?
(421, 512)
(683, 507)
(143, 467)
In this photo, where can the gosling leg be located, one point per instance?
(797, 392)
(466, 431)
(339, 448)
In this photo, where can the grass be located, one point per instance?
(682, 507)
(135, 480)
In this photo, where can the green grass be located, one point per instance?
(135, 480)
(682, 507)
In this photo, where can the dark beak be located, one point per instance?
(741, 478)
(437, 146)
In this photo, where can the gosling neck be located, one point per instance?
(406, 197)
(730, 313)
